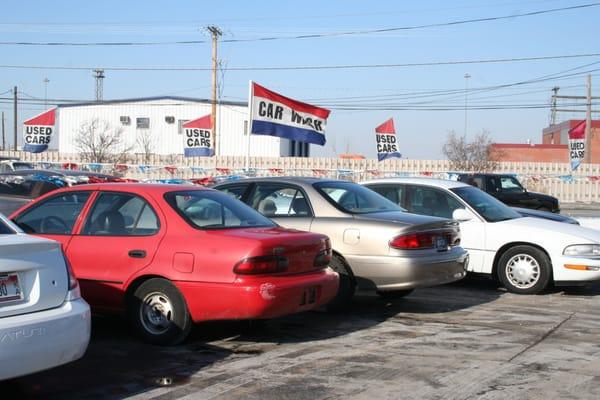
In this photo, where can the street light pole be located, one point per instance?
(467, 76)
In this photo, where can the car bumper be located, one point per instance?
(388, 273)
(259, 297)
(34, 342)
(575, 270)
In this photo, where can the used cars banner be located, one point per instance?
(197, 136)
(37, 131)
(577, 145)
(387, 147)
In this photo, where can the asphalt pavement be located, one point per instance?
(467, 340)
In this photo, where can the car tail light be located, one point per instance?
(74, 291)
(418, 240)
(324, 255)
(261, 265)
(425, 240)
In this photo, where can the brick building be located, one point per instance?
(554, 147)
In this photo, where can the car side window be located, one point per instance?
(280, 201)
(55, 216)
(510, 184)
(393, 193)
(433, 202)
(235, 191)
(121, 214)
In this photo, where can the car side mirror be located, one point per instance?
(462, 215)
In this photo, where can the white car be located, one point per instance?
(524, 253)
(44, 322)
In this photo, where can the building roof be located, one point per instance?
(154, 98)
(527, 146)
(568, 124)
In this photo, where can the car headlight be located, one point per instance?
(582, 250)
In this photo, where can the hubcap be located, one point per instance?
(156, 313)
(523, 271)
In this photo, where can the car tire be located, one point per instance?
(524, 270)
(395, 294)
(158, 313)
(347, 285)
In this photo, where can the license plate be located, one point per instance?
(309, 296)
(441, 244)
(9, 288)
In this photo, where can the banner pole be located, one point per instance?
(250, 93)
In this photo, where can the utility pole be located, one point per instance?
(3, 137)
(216, 33)
(587, 156)
(467, 76)
(46, 80)
(555, 90)
(99, 76)
(15, 117)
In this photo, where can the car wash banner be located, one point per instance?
(577, 145)
(276, 115)
(197, 138)
(37, 131)
(387, 147)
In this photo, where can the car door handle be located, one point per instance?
(137, 253)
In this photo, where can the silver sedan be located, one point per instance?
(377, 246)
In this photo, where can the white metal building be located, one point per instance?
(160, 119)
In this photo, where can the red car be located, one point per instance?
(171, 255)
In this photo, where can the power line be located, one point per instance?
(310, 67)
(315, 35)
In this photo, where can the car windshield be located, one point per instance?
(491, 209)
(209, 209)
(354, 198)
(5, 229)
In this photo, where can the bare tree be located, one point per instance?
(146, 144)
(98, 142)
(474, 156)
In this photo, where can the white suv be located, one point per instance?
(44, 322)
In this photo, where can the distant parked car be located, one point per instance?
(20, 187)
(14, 165)
(376, 245)
(170, 255)
(509, 190)
(44, 322)
(526, 254)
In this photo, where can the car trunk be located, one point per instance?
(300, 248)
(33, 275)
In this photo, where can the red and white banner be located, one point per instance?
(197, 138)
(277, 115)
(387, 146)
(577, 145)
(37, 131)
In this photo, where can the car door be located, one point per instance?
(436, 202)
(55, 217)
(283, 203)
(119, 237)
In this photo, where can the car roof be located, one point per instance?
(153, 188)
(441, 183)
(285, 179)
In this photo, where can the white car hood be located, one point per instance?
(529, 225)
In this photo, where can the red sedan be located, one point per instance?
(171, 255)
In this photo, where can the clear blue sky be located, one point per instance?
(420, 133)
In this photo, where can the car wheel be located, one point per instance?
(158, 313)
(395, 294)
(347, 285)
(524, 270)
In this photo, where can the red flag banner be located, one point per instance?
(387, 146)
(37, 131)
(577, 145)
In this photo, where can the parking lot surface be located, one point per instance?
(460, 341)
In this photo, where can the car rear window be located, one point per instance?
(210, 209)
